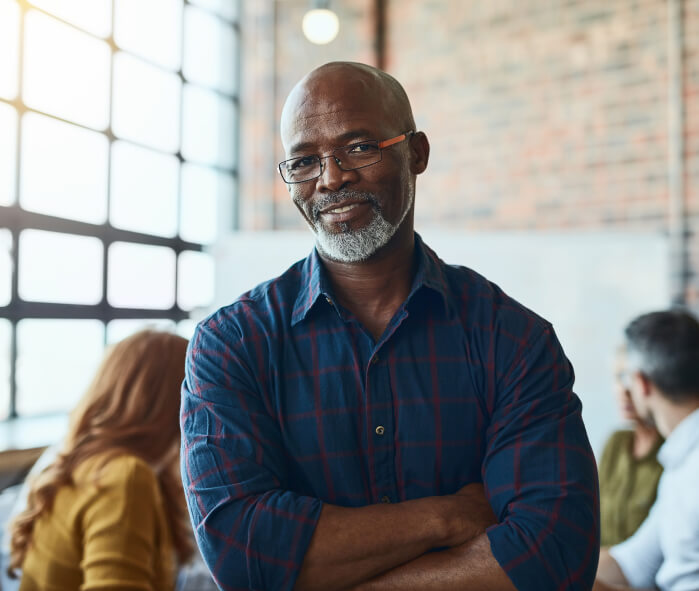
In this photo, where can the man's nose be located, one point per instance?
(332, 177)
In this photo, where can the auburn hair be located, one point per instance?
(131, 407)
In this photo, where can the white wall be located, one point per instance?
(588, 284)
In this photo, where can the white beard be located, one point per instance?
(353, 246)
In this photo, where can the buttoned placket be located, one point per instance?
(380, 398)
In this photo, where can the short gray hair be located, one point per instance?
(664, 346)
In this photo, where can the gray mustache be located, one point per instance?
(338, 197)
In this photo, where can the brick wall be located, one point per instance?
(542, 115)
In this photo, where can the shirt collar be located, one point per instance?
(683, 439)
(315, 283)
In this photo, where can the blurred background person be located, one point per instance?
(109, 511)
(628, 471)
(663, 360)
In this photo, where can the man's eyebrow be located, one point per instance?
(342, 140)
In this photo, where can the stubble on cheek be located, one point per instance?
(301, 205)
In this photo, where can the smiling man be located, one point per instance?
(375, 418)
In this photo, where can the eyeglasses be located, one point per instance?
(624, 379)
(352, 157)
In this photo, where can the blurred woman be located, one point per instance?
(629, 471)
(109, 512)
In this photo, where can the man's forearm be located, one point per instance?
(608, 571)
(353, 545)
(468, 567)
(609, 576)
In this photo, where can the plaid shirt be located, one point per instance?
(288, 402)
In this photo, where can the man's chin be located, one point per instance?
(347, 247)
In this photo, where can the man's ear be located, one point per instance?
(646, 386)
(420, 152)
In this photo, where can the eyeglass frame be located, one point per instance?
(380, 144)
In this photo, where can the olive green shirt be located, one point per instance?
(627, 487)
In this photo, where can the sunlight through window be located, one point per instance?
(66, 72)
(9, 48)
(118, 170)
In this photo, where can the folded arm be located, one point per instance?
(353, 545)
(468, 567)
(541, 481)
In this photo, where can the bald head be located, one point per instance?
(350, 86)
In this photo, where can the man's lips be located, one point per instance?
(341, 212)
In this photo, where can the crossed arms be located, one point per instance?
(255, 532)
(387, 546)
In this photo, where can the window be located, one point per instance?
(117, 160)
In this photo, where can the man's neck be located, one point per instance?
(670, 415)
(644, 438)
(374, 289)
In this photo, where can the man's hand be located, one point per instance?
(469, 516)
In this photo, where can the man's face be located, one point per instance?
(639, 399)
(622, 386)
(352, 213)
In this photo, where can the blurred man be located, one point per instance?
(350, 424)
(663, 355)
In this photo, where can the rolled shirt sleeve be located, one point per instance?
(252, 532)
(640, 557)
(539, 471)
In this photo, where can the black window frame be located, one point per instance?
(16, 219)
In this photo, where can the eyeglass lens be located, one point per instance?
(351, 157)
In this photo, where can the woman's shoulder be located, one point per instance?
(120, 471)
(620, 437)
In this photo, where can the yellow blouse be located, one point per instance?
(627, 487)
(110, 537)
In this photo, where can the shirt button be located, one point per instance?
(385, 499)
(380, 430)
(374, 359)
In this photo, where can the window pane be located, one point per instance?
(185, 328)
(5, 266)
(56, 361)
(146, 104)
(228, 9)
(66, 72)
(195, 288)
(210, 56)
(8, 149)
(207, 198)
(63, 169)
(141, 276)
(151, 29)
(94, 16)
(118, 330)
(144, 190)
(62, 268)
(208, 127)
(5, 346)
(9, 48)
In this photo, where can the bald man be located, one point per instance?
(375, 418)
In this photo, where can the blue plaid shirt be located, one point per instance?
(288, 402)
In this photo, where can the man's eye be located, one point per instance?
(363, 148)
(304, 162)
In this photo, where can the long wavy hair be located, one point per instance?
(131, 407)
